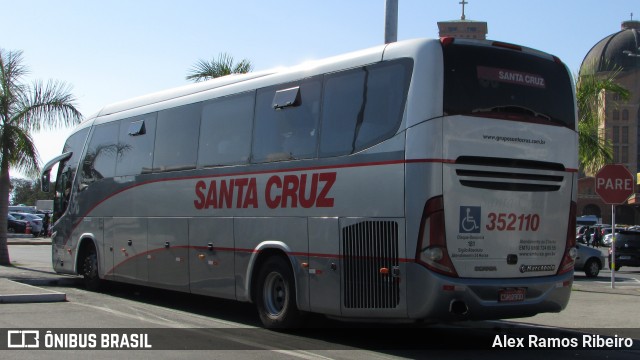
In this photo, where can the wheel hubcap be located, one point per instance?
(275, 294)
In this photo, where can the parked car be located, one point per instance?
(589, 260)
(22, 209)
(607, 238)
(34, 220)
(627, 249)
(16, 226)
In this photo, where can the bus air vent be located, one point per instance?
(369, 246)
(509, 174)
(513, 163)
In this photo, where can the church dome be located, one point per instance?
(621, 49)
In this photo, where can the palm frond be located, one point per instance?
(243, 67)
(11, 68)
(594, 150)
(47, 106)
(20, 149)
(224, 65)
(11, 73)
(25, 108)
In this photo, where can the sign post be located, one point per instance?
(614, 185)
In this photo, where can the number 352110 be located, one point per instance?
(513, 222)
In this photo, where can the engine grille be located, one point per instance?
(509, 174)
(368, 247)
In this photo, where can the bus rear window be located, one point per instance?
(502, 83)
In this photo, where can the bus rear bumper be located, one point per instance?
(454, 299)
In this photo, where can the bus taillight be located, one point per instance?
(432, 246)
(507, 45)
(446, 40)
(570, 251)
(557, 60)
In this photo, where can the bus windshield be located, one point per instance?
(489, 81)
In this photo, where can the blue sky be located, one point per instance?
(111, 50)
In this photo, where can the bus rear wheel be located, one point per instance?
(276, 295)
(89, 270)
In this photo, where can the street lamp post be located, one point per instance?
(391, 21)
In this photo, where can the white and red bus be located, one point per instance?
(423, 179)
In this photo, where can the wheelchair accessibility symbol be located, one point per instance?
(469, 219)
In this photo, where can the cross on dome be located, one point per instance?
(463, 3)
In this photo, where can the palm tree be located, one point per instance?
(594, 151)
(24, 109)
(205, 70)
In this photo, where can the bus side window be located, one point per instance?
(287, 132)
(363, 107)
(177, 132)
(387, 85)
(225, 131)
(342, 102)
(135, 145)
(99, 161)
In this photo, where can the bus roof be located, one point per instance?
(178, 92)
(243, 82)
(309, 68)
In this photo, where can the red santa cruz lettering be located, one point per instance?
(291, 190)
(281, 191)
(220, 194)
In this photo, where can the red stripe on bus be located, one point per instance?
(244, 250)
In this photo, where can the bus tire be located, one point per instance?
(89, 270)
(276, 295)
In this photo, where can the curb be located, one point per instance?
(616, 291)
(16, 292)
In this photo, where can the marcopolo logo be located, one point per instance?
(470, 219)
(536, 268)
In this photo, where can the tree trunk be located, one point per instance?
(4, 209)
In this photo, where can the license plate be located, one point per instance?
(625, 258)
(511, 295)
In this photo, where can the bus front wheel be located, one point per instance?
(276, 296)
(89, 270)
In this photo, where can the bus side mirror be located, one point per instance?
(44, 181)
(45, 176)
